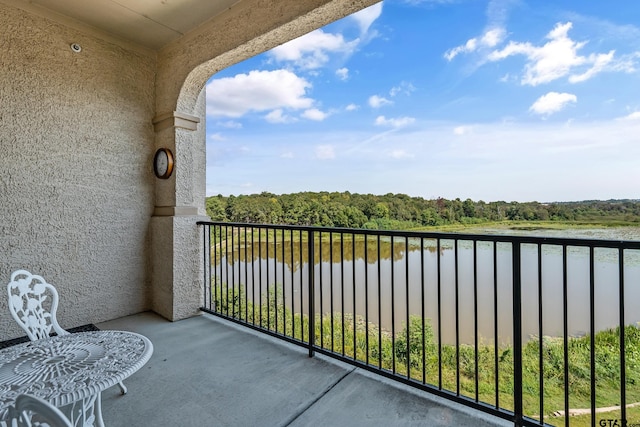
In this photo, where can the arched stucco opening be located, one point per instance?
(250, 28)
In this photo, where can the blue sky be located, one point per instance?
(490, 100)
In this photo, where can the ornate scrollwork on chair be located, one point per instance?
(32, 411)
(29, 295)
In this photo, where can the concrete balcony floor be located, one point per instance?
(208, 372)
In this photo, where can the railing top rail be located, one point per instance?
(595, 243)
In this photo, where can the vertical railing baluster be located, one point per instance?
(496, 360)
(320, 285)
(393, 308)
(293, 304)
(342, 287)
(217, 243)
(565, 331)
(331, 287)
(212, 266)
(623, 364)
(214, 283)
(592, 333)
(275, 278)
(260, 273)
(457, 313)
(517, 333)
(439, 277)
(204, 264)
(540, 338)
(312, 316)
(302, 288)
(233, 275)
(422, 311)
(246, 278)
(475, 314)
(353, 279)
(236, 295)
(253, 278)
(284, 288)
(226, 265)
(379, 307)
(366, 296)
(406, 298)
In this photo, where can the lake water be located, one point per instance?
(381, 282)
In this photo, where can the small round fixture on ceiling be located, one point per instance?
(75, 47)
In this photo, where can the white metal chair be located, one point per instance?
(31, 411)
(29, 297)
(33, 304)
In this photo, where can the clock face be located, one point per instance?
(163, 163)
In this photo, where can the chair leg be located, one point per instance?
(99, 422)
(123, 389)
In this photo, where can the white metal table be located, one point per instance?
(71, 371)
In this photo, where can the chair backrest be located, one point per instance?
(29, 297)
(31, 411)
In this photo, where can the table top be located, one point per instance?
(67, 368)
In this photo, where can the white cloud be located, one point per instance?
(492, 37)
(489, 39)
(257, 91)
(376, 101)
(278, 116)
(600, 63)
(396, 123)
(461, 130)
(230, 124)
(469, 46)
(217, 137)
(351, 107)
(558, 58)
(287, 155)
(367, 16)
(633, 116)
(342, 73)
(548, 62)
(404, 88)
(325, 152)
(314, 114)
(312, 50)
(552, 102)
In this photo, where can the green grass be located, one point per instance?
(602, 418)
(407, 356)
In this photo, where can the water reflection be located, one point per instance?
(462, 287)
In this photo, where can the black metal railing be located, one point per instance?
(524, 328)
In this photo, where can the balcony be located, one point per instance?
(208, 371)
(524, 329)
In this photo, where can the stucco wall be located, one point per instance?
(76, 186)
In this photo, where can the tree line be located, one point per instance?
(400, 211)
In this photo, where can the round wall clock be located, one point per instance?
(163, 163)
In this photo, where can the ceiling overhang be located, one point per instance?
(150, 24)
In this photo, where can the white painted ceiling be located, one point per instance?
(150, 23)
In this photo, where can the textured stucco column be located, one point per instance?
(176, 240)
